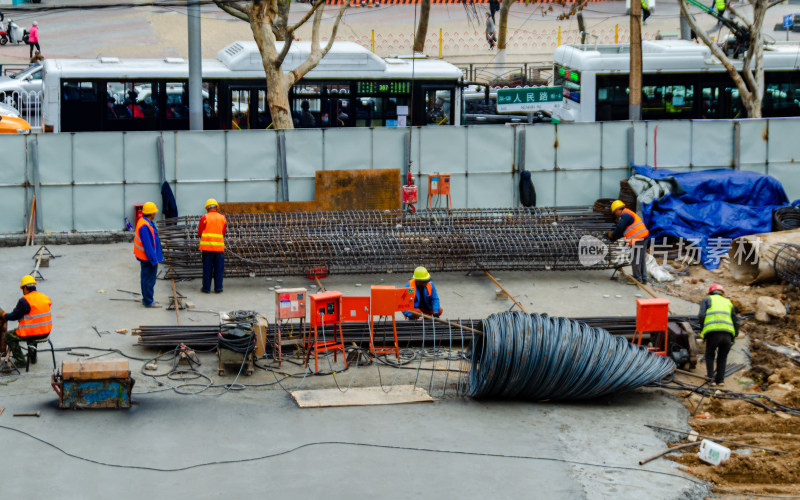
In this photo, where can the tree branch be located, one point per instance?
(317, 53)
(774, 3)
(716, 51)
(307, 16)
(233, 9)
(287, 44)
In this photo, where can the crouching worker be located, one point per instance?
(33, 313)
(426, 300)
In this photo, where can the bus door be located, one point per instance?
(242, 100)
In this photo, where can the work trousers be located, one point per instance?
(148, 278)
(34, 44)
(13, 341)
(718, 343)
(638, 267)
(213, 266)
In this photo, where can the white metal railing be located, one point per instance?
(29, 105)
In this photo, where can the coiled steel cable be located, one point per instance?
(537, 357)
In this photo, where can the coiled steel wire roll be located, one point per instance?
(786, 218)
(536, 357)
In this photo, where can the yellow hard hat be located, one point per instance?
(421, 274)
(149, 208)
(27, 280)
(617, 205)
(211, 202)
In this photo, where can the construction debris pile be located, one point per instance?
(349, 242)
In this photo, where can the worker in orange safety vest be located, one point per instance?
(147, 250)
(426, 299)
(211, 229)
(632, 227)
(35, 321)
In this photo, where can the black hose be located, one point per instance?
(786, 218)
(536, 357)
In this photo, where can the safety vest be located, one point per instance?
(718, 316)
(644, 4)
(412, 284)
(138, 247)
(38, 321)
(719, 5)
(212, 238)
(637, 230)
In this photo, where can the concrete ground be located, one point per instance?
(454, 447)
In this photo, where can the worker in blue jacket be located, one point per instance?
(147, 250)
(426, 300)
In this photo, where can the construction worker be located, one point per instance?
(645, 11)
(35, 322)
(426, 299)
(147, 249)
(719, 7)
(631, 226)
(211, 230)
(720, 327)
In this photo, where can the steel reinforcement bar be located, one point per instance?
(390, 241)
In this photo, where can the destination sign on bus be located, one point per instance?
(379, 87)
(529, 99)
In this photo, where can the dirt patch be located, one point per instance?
(773, 379)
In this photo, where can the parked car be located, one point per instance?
(17, 90)
(14, 125)
(6, 110)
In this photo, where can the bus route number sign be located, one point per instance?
(529, 99)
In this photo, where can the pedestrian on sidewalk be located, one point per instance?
(720, 328)
(33, 38)
(147, 250)
(211, 229)
(491, 36)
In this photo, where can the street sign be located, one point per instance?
(529, 99)
(787, 21)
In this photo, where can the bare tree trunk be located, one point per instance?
(502, 29)
(278, 85)
(282, 20)
(422, 26)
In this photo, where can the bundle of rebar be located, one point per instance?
(408, 332)
(787, 263)
(351, 242)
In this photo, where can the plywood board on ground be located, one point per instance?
(361, 396)
(95, 369)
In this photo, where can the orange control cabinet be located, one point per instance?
(355, 309)
(326, 310)
(387, 301)
(652, 316)
(439, 185)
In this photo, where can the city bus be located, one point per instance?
(350, 87)
(680, 80)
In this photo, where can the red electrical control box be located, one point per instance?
(387, 300)
(439, 184)
(355, 309)
(652, 315)
(325, 308)
(290, 303)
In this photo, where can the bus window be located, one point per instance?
(131, 105)
(612, 102)
(177, 101)
(210, 106)
(306, 113)
(733, 104)
(781, 99)
(79, 109)
(667, 101)
(437, 107)
(240, 109)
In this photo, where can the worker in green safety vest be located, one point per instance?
(719, 6)
(720, 327)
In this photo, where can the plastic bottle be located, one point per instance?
(128, 225)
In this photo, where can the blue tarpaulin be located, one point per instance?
(715, 207)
